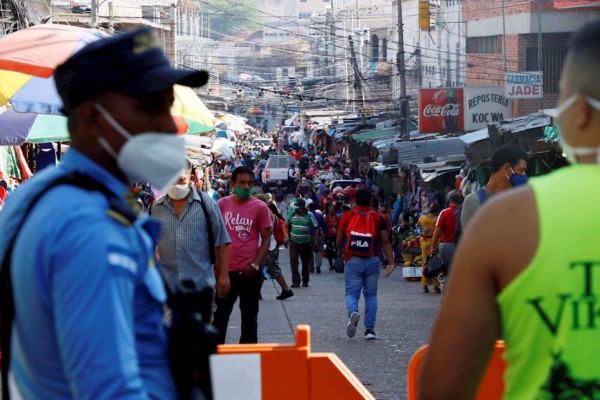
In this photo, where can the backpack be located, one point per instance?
(281, 232)
(361, 234)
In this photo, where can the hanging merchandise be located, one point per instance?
(45, 156)
(25, 171)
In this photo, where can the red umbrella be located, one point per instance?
(40, 49)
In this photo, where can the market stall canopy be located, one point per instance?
(376, 134)
(187, 104)
(38, 50)
(17, 128)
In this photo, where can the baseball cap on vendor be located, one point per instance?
(131, 63)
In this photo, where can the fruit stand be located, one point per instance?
(411, 256)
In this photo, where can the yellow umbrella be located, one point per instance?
(187, 104)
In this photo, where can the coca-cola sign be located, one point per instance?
(441, 110)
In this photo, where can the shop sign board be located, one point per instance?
(523, 85)
(441, 110)
(485, 105)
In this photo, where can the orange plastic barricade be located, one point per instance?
(292, 372)
(491, 386)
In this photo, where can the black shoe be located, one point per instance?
(370, 334)
(260, 296)
(311, 270)
(305, 284)
(286, 294)
(318, 270)
(295, 285)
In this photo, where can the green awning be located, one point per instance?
(375, 134)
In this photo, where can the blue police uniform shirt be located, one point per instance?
(88, 298)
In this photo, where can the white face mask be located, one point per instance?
(153, 157)
(572, 152)
(179, 192)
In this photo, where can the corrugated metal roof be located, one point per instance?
(416, 151)
(472, 137)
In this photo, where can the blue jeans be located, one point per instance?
(362, 274)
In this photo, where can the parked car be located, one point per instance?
(276, 170)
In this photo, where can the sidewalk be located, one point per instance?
(404, 320)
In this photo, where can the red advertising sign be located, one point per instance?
(441, 110)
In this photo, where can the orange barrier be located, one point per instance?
(491, 386)
(292, 372)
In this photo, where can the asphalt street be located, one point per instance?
(404, 320)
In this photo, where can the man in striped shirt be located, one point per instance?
(184, 245)
(301, 241)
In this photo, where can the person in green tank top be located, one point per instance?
(528, 267)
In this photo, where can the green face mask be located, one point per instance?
(243, 194)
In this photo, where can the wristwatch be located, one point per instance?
(256, 267)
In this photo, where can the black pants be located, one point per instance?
(302, 250)
(247, 288)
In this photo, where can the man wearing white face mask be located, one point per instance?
(527, 267)
(88, 298)
(184, 242)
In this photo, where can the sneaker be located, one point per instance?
(286, 294)
(305, 284)
(352, 324)
(370, 334)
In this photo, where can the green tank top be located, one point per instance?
(551, 311)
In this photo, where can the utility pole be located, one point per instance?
(402, 73)
(94, 13)
(111, 22)
(333, 59)
(357, 80)
(172, 39)
(439, 41)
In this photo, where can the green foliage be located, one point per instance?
(230, 17)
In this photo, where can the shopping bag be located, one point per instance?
(433, 266)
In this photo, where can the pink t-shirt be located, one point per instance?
(244, 222)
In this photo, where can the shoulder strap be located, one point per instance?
(211, 236)
(7, 310)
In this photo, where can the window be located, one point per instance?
(482, 45)
(553, 59)
(374, 48)
(305, 14)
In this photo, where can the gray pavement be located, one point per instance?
(404, 320)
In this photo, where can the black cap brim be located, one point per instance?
(162, 79)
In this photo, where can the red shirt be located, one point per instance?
(447, 222)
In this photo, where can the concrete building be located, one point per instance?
(506, 36)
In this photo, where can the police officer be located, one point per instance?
(88, 297)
